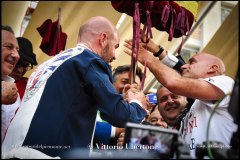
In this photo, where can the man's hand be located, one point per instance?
(150, 46)
(143, 54)
(9, 92)
(131, 92)
(118, 131)
(121, 139)
(133, 87)
(143, 47)
(139, 96)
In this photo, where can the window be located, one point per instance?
(226, 8)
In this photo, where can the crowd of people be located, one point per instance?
(74, 100)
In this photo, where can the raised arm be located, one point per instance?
(189, 87)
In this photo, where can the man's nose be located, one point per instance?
(15, 54)
(160, 123)
(170, 100)
(185, 66)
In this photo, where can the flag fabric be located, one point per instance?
(51, 44)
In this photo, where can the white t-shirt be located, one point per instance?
(194, 125)
(8, 111)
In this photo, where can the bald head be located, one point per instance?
(213, 60)
(101, 37)
(203, 65)
(95, 26)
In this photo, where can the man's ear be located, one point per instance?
(103, 40)
(213, 69)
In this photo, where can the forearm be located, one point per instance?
(164, 74)
(174, 82)
(168, 59)
(112, 106)
(169, 78)
(124, 112)
(175, 62)
(156, 49)
(193, 88)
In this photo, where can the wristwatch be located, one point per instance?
(159, 52)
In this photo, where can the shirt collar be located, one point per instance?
(83, 45)
(8, 79)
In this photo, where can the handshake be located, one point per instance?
(132, 93)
